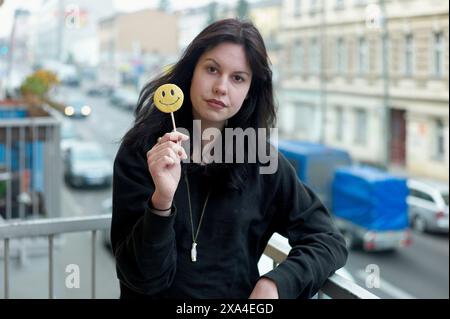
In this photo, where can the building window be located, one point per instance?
(313, 7)
(409, 54)
(314, 56)
(298, 57)
(363, 59)
(440, 139)
(297, 8)
(340, 55)
(339, 4)
(360, 127)
(304, 116)
(438, 53)
(339, 124)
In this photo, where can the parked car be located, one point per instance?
(124, 98)
(68, 135)
(87, 165)
(428, 205)
(77, 108)
(100, 90)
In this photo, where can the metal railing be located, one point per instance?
(336, 286)
(50, 228)
(30, 166)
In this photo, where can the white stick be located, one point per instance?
(173, 122)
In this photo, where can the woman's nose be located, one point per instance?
(220, 87)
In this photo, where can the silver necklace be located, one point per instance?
(194, 237)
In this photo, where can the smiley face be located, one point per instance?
(168, 98)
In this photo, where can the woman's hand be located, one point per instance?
(164, 165)
(265, 288)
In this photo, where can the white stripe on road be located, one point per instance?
(386, 287)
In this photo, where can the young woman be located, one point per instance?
(197, 230)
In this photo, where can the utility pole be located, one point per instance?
(322, 75)
(386, 131)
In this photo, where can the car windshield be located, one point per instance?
(77, 104)
(88, 155)
(445, 197)
(67, 131)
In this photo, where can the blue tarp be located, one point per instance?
(370, 198)
(315, 164)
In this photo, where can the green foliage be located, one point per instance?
(39, 83)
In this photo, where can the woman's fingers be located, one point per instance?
(173, 136)
(162, 149)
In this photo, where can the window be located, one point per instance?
(439, 138)
(421, 195)
(363, 58)
(339, 4)
(313, 7)
(360, 126)
(340, 55)
(409, 54)
(304, 117)
(314, 56)
(298, 8)
(438, 53)
(339, 124)
(298, 57)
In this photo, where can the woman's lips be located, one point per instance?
(215, 104)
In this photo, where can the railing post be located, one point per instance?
(50, 266)
(6, 261)
(94, 235)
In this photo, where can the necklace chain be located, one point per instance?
(194, 237)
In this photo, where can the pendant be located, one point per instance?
(194, 252)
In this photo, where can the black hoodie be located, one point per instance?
(153, 252)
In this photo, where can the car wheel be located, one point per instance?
(420, 224)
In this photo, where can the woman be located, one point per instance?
(197, 230)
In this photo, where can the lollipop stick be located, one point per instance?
(173, 122)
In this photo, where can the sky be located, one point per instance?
(7, 10)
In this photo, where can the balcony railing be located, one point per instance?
(335, 287)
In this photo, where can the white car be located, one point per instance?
(428, 205)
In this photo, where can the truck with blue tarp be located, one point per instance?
(366, 209)
(370, 207)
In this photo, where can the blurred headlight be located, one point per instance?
(86, 110)
(68, 110)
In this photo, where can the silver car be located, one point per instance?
(428, 205)
(87, 165)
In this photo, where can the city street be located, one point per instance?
(419, 271)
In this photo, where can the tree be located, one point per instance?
(212, 12)
(242, 9)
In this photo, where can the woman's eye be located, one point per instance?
(238, 78)
(212, 69)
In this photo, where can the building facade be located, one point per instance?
(386, 101)
(135, 46)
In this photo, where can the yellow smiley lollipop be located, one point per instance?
(168, 98)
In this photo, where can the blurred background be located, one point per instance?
(362, 92)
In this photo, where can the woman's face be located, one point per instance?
(220, 84)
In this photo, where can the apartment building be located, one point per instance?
(386, 104)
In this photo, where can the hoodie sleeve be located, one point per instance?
(318, 248)
(143, 243)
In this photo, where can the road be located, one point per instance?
(419, 271)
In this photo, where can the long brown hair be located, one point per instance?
(257, 111)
